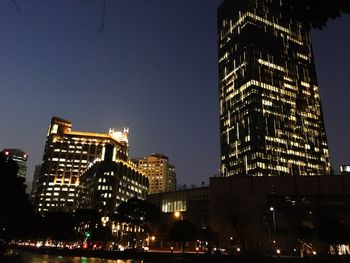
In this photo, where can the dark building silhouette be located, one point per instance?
(35, 181)
(271, 121)
(19, 157)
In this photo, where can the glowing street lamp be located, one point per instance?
(178, 215)
(272, 209)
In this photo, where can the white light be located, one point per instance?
(278, 251)
(271, 208)
(121, 136)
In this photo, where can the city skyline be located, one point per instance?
(79, 75)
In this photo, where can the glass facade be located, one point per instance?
(271, 119)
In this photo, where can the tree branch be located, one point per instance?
(16, 6)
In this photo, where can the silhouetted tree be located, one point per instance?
(16, 210)
(315, 13)
(207, 235)
(138, 213)
(183, 231)
(102, 234)
(58, 226)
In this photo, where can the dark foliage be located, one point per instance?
(102, 233)
(16, 210)
(138, 212)
(333, 232)
(58, 226)
(183, 231)
(62, 226)
(207, 234)
(315, 13)
(305, 233)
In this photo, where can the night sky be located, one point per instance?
(152, 69)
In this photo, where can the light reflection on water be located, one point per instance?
(33, 258)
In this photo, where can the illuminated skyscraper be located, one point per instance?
(19, 157)
(66, 156)
(160, 172)
(271, 119)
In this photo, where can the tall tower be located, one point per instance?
(66, 156)
(271, 119)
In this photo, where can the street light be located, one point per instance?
(272, 209)
(177, 215)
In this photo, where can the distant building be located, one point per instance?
(35, 181)
(109, 181)
(160, 172)
(271, 121)
(19, 157)
(66, 156)
(345, 169)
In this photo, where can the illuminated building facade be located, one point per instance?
(271, 121)
(66, 156)
(345, 169)
(160, 172)
(19, 157)
(109, 181)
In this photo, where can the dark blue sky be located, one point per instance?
(153, 69)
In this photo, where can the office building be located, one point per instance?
(35, 181)
(66, 156)
(110, 181)
(19, 157)
(160, 172)
(271, 121)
